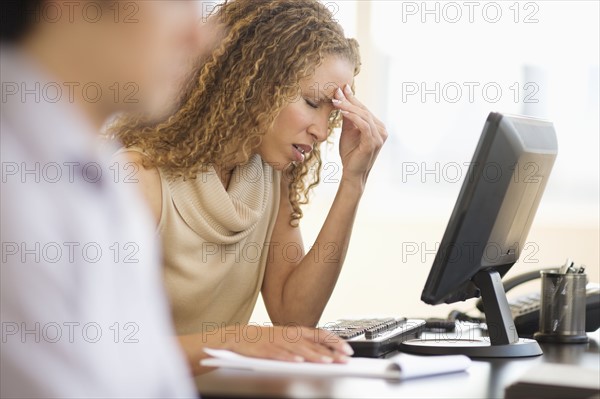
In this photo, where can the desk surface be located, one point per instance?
(484, 379)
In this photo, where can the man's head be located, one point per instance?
(115, 55)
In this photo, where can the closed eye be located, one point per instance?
(311, 104)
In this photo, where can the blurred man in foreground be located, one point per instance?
(83, 312)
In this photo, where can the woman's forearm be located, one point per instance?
(309, 287)
(193, 348)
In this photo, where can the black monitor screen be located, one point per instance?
(495, 207)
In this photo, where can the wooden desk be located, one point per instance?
(484, 379)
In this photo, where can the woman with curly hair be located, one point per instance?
(227, 172)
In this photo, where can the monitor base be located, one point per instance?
(471, 347)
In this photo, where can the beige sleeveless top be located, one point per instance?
(215, 244)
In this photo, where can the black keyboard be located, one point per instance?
(525, 304)
(375, 337)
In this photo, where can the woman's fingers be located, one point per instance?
(332, 341)
(276, 353)
(348, 108)
(267, 350)
(319, 346)
(341, 102)
(360, 123)
(304, 345)
(349, 94)
(311, 352)
(346, 100)
(312, 345)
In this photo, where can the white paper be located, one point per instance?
(401, 366)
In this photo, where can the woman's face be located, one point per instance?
(304, 121)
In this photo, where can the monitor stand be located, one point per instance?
(503, 340)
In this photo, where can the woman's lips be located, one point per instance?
(305, 148)
(298, 153)
(301, 151)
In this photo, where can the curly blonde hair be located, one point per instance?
(232, 100)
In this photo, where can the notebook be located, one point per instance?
(401, 366)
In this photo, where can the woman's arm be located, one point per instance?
(289, 344)
(297, 288)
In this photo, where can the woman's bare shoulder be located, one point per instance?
(130, 163)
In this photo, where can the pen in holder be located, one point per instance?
(562, 308)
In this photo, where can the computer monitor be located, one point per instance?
(487, 229)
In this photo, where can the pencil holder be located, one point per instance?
(562, 308)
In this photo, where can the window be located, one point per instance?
(433, 70)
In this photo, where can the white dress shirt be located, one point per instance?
(83, 308)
